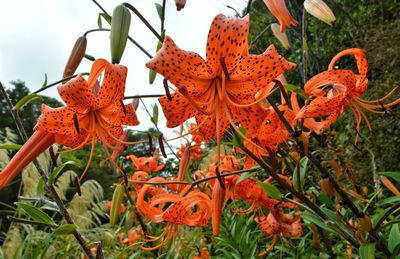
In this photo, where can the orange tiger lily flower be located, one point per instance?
(147, 164)
(278, 221)
(193, 210)
(346, 89)
(279, 10)
(220, 90)
(92, 113)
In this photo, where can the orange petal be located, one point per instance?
(60, 122)
(36, 144)
(279, 10)
(227, 38)
(342, 77)
(177, 111)
(361, 59)
(77, 94)
(182, 68)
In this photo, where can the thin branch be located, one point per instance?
(140, 16)
(59, 81)
(129, 38)
(101, 8)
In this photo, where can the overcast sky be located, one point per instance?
(37, 36)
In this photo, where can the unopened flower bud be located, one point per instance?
(180, 4)
(281, 36)
(76, 56)
(120, 23)
(319, 10)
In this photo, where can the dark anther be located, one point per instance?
(150, 140)
(161, 144)
(282, 89)
(220, 180)
(125, 177)
(123, 107)
(76, 123)
(78, 186)
(166, 88)
(223, 64)
(387, 112)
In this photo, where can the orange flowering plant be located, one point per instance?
(253, 166)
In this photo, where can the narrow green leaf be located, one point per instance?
(367, 251)
(311, 218)
(10, 146)
(394, 237)
(295, 89)
(106, 17)
(116, 203)
(271, 190)
(36, 213)
(40, 187)
(99, 23)
(24, 101)
(154, 118)
(393, 175)
(64, 230)
(159, 10)
(300, 172)
(244, 176)
(325, 199)
(237, 140)
(389, 200)
(58, 170)
(89, 57)
(152, 76)
(45, 80)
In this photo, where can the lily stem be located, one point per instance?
(140, 16)
(57, 82)
(129, 38)
(50, 188)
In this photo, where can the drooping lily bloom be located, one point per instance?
(332, 91)
(279, 10)
(92, 113)
(147, 164)
(278, 221)
(220, 90)
(193, 210)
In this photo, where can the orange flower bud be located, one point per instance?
(76, 56)
(218, 199)
(281, 36)
(319, 10)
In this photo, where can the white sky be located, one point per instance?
(36, 37)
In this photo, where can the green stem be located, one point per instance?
(140, 16)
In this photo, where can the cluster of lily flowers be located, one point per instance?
(225, 92)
